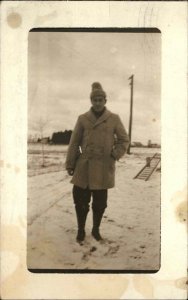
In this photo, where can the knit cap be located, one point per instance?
(97, 90)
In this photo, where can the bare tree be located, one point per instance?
(41, 125)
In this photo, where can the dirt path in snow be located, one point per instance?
(130, 226)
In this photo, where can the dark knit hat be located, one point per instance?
(97, 90)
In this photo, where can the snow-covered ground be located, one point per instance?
(130, 225)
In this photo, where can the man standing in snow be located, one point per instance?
(98, 140)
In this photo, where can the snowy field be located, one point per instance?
(130, 225)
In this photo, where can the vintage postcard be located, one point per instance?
(93, 150)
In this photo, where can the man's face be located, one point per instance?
(98, 103)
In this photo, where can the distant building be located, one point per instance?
(32, 138)
(45, 140)
(136, 144)
(153, 145)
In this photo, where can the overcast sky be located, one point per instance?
(63, 65)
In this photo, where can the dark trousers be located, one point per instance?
(82, 198)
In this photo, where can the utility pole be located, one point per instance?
(131, 112)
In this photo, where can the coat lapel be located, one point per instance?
(90, 115)
(104, 116)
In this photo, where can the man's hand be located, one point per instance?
(70, 172)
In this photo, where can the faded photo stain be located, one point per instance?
(144, 286)
(14, 20)
(16, 169)
(112, 286)
(1, 163)
(181, 212)
(180, 202)
(182, 283)
(14, 275)
(42, 19)
(10, 166)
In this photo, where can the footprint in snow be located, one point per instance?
(67, 211)
(110, 220)
(112, 250)
(135, 257)
(106, 242)
(130, 227)
(69, 230)
(93, 249)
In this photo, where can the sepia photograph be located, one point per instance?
(94, 150)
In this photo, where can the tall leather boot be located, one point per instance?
(97, 217)
(81, 213)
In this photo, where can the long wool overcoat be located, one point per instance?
(94, 147)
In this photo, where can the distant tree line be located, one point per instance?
(61, 137)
